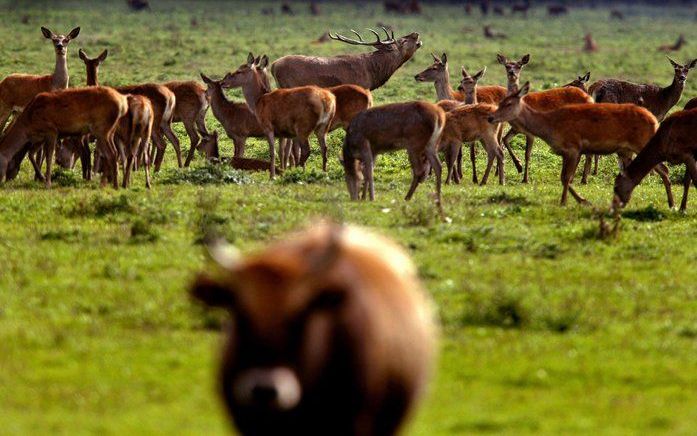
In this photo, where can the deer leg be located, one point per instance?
(418, 167)
(459, 164)
(690, 177)
(491, 156)
(368, 177)
(529, 141)
(38, 176)
(568, 170)
(687, 182)
(85, 159)
(664, 173)
(507, 142)
(586, 168)
(596, 158)
(50, 146)
(321, 134)
(473, 159)
(195, 139)
(281, 152)
(201, 123)
(160, 148)
(434, 162)
(304, 152)
(272, 154)
(448, 149)
(167, 129)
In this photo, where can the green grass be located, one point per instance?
(546, 327)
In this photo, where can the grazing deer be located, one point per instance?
(17, 90)
(286, 113)
(72, 148)
(674, 47)
(521, 8)
(132, 135)
(541, 100)
(616, 14)
(190, 110)
(211, 149)
(674, 142)
(340, 341)
(238, 121)
(589, 45)
(490, 33)
(70, 112)
(414, 126)
(367, 70)
(591, 128)
(654, 98)
(557, 10)
(163, 103)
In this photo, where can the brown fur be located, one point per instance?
(674, 142)
(340, 314)
(589, 44)
(574, 130)
(190, 110)
(133, 134)
(285, 113)
(210, 147)
(70, 112)
(414, 126)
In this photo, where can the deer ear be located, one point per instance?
(436, 59)
(250, 59)
(464, 72)
(692, 64)
(501, 59)
(74, 33)
(672, 62)
(257, 60)
(103, 55)
(206, 79)
(444, 58)
(587, 77)
(480, 74)
(82, 55)
(264, 62)
(211, 292)
(524, 90)
(47, 33)
(525, 59)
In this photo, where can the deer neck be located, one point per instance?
(443, 89)
(513, 85)
(471, 96)
(670, 96)
(60, 73)
(535, 122)
(382, 65)
(218, 102)
(253, 91)
(644, 162)
(92, 76)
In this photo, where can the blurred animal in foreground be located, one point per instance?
(330, 333)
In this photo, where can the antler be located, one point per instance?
(359, 41)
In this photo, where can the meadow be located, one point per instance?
(548, 326)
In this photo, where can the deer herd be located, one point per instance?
(316, 95)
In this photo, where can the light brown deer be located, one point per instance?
(414, 126)
(340, 342)
(674, 142)
(591, 160)
(190, 110)
(133, 136)
(367, 70)
(542, 100)
(574, 130)
(163, 103)
(70, 112)
(17, 90)
(286, 113)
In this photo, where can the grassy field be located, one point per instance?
(547, 327)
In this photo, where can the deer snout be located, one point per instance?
(270, 389)
(418, 78)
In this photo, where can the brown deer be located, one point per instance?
(315, 9)
(133, 135)
(541, 100)
(367, 70)
(211, 149)
(414, 126)
(521, 8)
(674, 142)
(286, 8)
(616, 14)
(341, 340)
(163, 103)
(557, 10)
(674, 47)
(490, 33)
(238, 121)
(190, 109)
(591, 160)
(589, 44)
(138, 5)
(17, 90)
(591, 128)
(70, 112)
(691, 104)
(286, 113)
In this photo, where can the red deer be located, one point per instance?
(341, 340)
(521, 8)
(674, 47)
(163, 103)
(211, 149)
(541, 100)
(490, 33)
(190, 109)
(367, 70)
(133, 134)
(17, 90)
(238, 121)
(591, 160)
(589, 45)
(654, 98)
(70, 112)
(414, 126)
(580, 82)
(557, 10)
(591, 128)
(286, 113)
(674, 142)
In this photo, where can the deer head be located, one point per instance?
(513, 67)
(93, 63)
(580, 82)
(682, 70)
(209, 146)
(623, 190)
(437, 71)
(468, 84)
(510, 106)
(60, 42)
(212, 86)
(244, 74)
(406, 46)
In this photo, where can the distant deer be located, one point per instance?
(557, 10)
(490, 33)
(315, 9)
(592, 128)
(616, 15)
(541, 100)
(17, 90)
(484, 6)
(674, 47)
(138, 5)
(468, 8)
(367, 70)
(498, 10)
(322, 38)
(190, 109)
(331, 333)
(211, 149)
(589, 44)
(674, 142)
(238, 121)
(414, 126)
(286, 113)
(521, 8)
(70, 112)
(286, 8)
